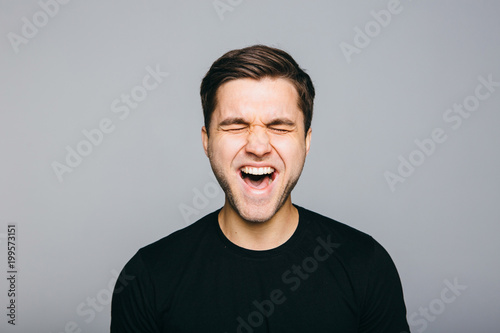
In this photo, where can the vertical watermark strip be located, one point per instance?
(12, 249)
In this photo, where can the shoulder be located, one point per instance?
(352, 245)
(365, 260)
(179, 244)
(343, 233)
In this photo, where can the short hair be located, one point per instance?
(256, 62)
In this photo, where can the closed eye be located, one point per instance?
(233, 125)
(279, 130)
(281, 125)
(234, 129)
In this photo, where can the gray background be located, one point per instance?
(150, 177)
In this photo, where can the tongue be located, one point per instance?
(259, 182)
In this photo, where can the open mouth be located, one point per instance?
(258, 178)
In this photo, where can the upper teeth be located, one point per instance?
(257, 171)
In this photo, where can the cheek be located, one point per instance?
(289, 145)
(290, 151)
(224, 149)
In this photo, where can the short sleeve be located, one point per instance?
(132, 306)
(383, 309)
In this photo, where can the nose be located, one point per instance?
(258, 142)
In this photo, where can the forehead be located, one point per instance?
(264, 98)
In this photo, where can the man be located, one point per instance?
(260, 263)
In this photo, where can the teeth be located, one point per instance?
(257, 171)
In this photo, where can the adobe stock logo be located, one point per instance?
(420, 320)
(293, 279)
(454, 116)
(372, 28)
(122, 107)
(223, 6)
(30, 28)
(200, 201)
(92, 306)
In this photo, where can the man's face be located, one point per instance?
(257, 145)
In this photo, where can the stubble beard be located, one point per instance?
(236, 205)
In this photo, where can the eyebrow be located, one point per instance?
(241, 121)
(281, 121)
(233, 121)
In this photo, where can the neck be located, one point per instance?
(259, 235)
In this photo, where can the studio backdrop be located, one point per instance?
(100, 126)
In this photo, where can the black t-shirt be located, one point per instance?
(328, 277)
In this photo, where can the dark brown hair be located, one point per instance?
(256, 62)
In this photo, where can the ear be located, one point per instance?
(308, 140)
(204, 139)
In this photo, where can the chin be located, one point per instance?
(256, 218)
(256, 213)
